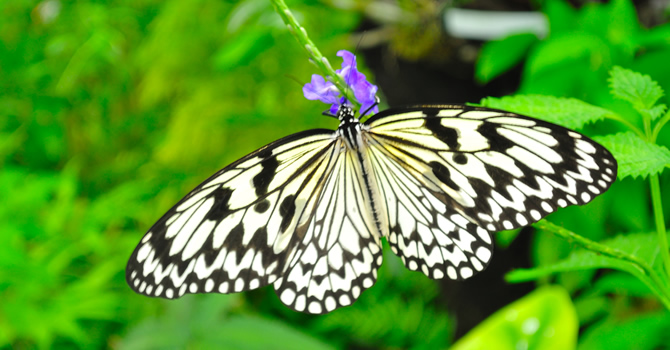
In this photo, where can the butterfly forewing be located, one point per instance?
(235, 230)
(497, 169)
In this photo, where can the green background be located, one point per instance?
(111, 111)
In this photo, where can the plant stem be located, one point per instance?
(657, 206)
(659, 125)
(625, 122)
(659, 287)
(312, 51)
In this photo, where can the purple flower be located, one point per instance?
(325, 91)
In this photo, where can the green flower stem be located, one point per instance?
(659, 287)
(312, 51)
(657, 206)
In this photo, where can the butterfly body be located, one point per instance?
(307, 213)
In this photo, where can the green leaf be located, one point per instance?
(639, 90)
(249, 332)
(544, 319)
(578, 48)
(637, 331)
(642, 245)
(636, 157)
(568, 112)
(499, 56)
(658, 36)
(655, 112)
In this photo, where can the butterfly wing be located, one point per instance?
(341, 249)
(235, 231)
(470, 165)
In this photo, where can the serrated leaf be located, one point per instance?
(641, 245)
(635, 156)
(543, 319)
(568, 112)
(655, 112)
(639, 90)
(499, 56)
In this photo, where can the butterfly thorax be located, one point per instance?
(353, 135)
(350, 128)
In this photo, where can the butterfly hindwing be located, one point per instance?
(340, 251)
(426, 233)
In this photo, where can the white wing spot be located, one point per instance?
(437, 274)
(451, 272)
(182, 290)
(466, 272)
(314, 307)
(367, 283)
(300, 302)
(572, 199)
(344, 300)
(412, 265)
(169, 293)
(484, 235)
(254, 283)
(484, 254)
(330, 303)
(507, 225)
(609, 171)
(546, 207)
(159, 290)
(142, 287)
(593, 189)
(239, 285)
(193, 288)
(146, 237)
(223, 287)
(287, 296)
(535, 214)
(521, 219)
(209, 285)
(476, 264)
(586, 197)
(562, 203)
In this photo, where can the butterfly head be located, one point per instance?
(346, 114)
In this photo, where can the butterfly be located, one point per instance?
(307, 213)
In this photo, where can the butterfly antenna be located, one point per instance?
(371, 107)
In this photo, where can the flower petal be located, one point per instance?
(320, 89)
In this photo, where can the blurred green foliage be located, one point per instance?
(110, 111)
(544, 319)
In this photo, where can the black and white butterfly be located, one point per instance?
(307, 213)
